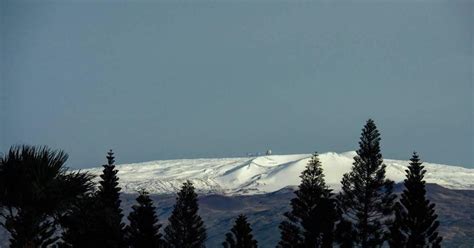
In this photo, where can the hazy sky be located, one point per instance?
(161, 80)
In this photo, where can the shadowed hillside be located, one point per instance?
(265, 213)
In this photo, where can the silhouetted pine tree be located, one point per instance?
(35, 189)
(109, 196)
(366, 199)
(186, 228)
(240, 235)
(397, 238)
(96, 221)
(143, 230)
(311, 221)
(415, 214)
(109, 192)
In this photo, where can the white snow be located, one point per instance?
(263, 174)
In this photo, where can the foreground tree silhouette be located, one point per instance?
(415, 222)
(143, 230)
(97, 220)
(186, 228)
(109, 197)
(240, 235)
(35, 190)
(84, 224)
(397, 237)
(311, 221)
(366, 199)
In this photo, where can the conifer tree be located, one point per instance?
(240, 235)
(415, 215)
(109, 197)
(109, 192)
(366, 199)
(397, 237)
(143, 230)
(186, 228)
(290, 233)
(97, 220)
(344, 233)
(311, 221)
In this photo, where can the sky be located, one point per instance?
(189, 79)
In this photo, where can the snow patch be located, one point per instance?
(264, 174)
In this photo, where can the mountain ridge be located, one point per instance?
(264, 174)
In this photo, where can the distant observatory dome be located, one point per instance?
(269, 152)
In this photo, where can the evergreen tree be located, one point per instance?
(35, 189)
(344, 234)
(186, 228)
(310, 223)
(109, 197)
(109, 192)
(415, 216)
(240, 235)
(366, 199)
(290, 233)
(143, 230)
(97, 220)
(397, 237)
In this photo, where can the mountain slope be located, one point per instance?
(264, 174)
(265, 212)
(228, 187)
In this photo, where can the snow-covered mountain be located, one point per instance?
(263, 174)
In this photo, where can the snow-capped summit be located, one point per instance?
(264, 174)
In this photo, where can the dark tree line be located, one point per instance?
(40, 199)
(366, 212)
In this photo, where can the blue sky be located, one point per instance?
(178, 79)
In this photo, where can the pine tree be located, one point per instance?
(97, 220)
(109, 197)
(240, 235)
(310, 223)
(344, 234)
(35, 189)
(109, 192)
(143, 230)
(366, 199)
(415, 214)
(397, 237)
(186, 228)
(290, 233)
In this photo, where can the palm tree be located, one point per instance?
(35, 190)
